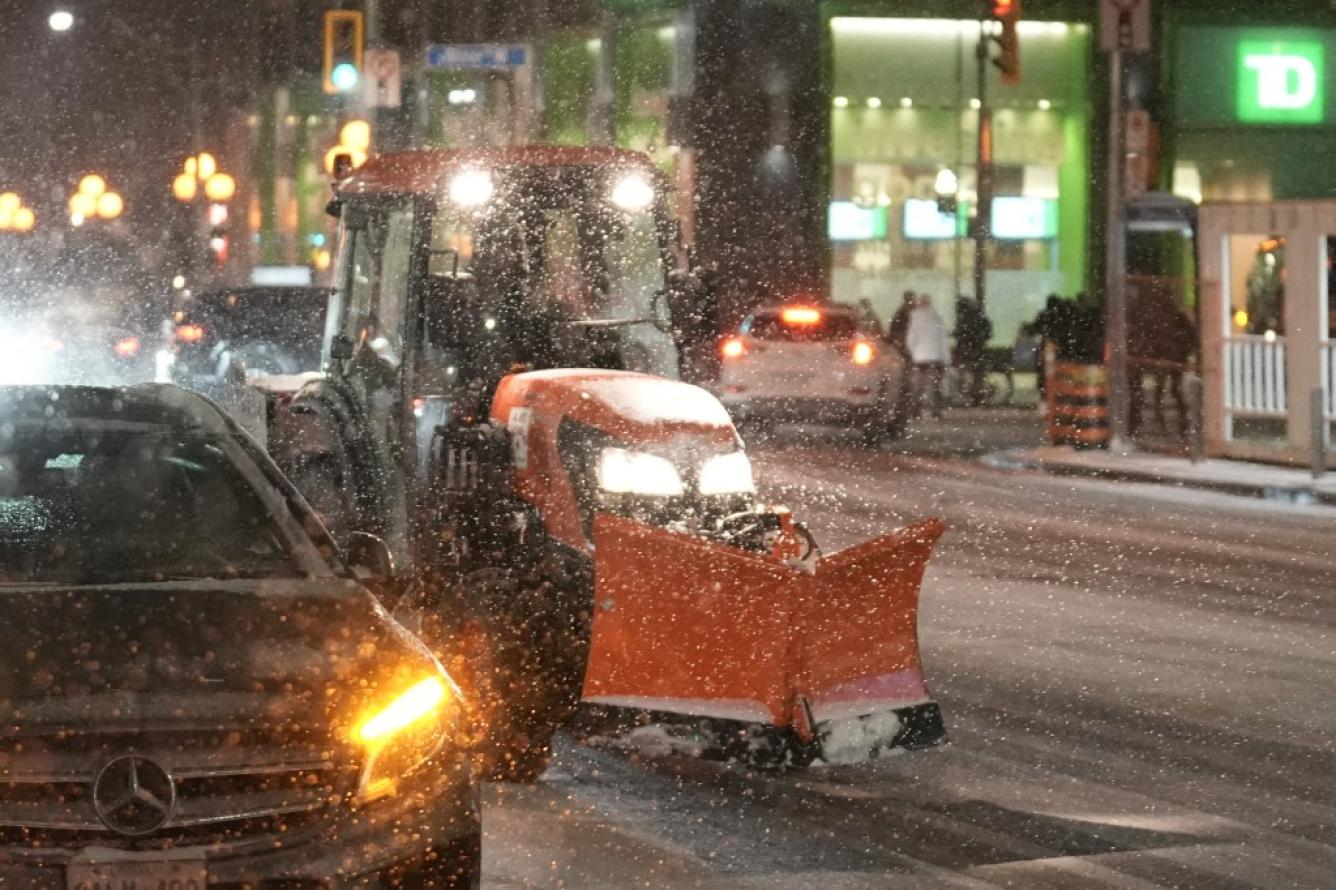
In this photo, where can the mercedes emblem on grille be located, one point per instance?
(134, 795)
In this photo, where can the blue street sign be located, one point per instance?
(459, 56)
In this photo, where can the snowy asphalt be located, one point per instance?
(1137, 681)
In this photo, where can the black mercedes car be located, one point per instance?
(196, 690)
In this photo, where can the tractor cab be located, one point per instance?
(456, 268)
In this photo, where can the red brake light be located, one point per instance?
(800, 315)
(862, 353)
(190, 333)
(733, 347)
(127, 346)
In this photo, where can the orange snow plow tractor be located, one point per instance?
(739, 621)
(577, 533)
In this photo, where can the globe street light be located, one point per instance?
(61, 20)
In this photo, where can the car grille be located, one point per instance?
(232, 786)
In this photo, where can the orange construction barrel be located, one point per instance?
(1078, 405)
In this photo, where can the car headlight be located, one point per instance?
(727, 474)
(622, 471)
(404, 734)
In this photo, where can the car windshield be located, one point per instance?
(103, 504)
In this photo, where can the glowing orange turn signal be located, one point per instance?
(421, 699)
(733, 348)
(862, 353)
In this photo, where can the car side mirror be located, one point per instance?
(369, 557)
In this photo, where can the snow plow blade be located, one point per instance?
(828, 657)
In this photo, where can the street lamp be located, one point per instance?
(109, 205)
(61, 20)
(14, 217)
(93, 200)
(184, 187)
(201, 178)
(220, 187)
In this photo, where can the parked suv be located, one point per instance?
(194, 688)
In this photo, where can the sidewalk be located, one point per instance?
(1230, 476)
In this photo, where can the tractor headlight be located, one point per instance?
(403, 734)
(622, 471)
(727, 474)
(471, 188)
(633, 192)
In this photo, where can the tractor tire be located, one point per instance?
(520, 653)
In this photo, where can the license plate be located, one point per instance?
(179, 875)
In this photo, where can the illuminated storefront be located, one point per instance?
(904, 129)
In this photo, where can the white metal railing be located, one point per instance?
(1255, 374)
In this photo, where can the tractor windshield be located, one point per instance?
(565, 273)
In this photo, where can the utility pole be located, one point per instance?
(1124, 27)
(1001, 17)
(983, 203)
(1115, 269)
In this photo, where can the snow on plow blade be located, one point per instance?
(694, 628)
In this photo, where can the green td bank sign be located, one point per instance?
(1281, 82)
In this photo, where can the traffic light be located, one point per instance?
(1008, 61)
(343, 51)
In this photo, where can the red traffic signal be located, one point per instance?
(1007, 13)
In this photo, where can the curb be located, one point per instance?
(1019, 459)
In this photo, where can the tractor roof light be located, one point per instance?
(472, 188)
(632, 192)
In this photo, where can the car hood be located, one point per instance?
(199, 653)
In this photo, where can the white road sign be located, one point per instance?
(383, 81)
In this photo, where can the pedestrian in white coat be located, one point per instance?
(929, 349)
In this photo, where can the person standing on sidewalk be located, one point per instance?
(899, 326)
(928, 348)
(972, 332)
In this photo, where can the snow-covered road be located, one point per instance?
(1137, 682)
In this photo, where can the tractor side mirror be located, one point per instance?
(341, 348)
(369, 557)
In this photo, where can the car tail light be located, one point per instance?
(862, 353)
(190, 333)
(800, 315)
(127, 346)
(733, 347)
